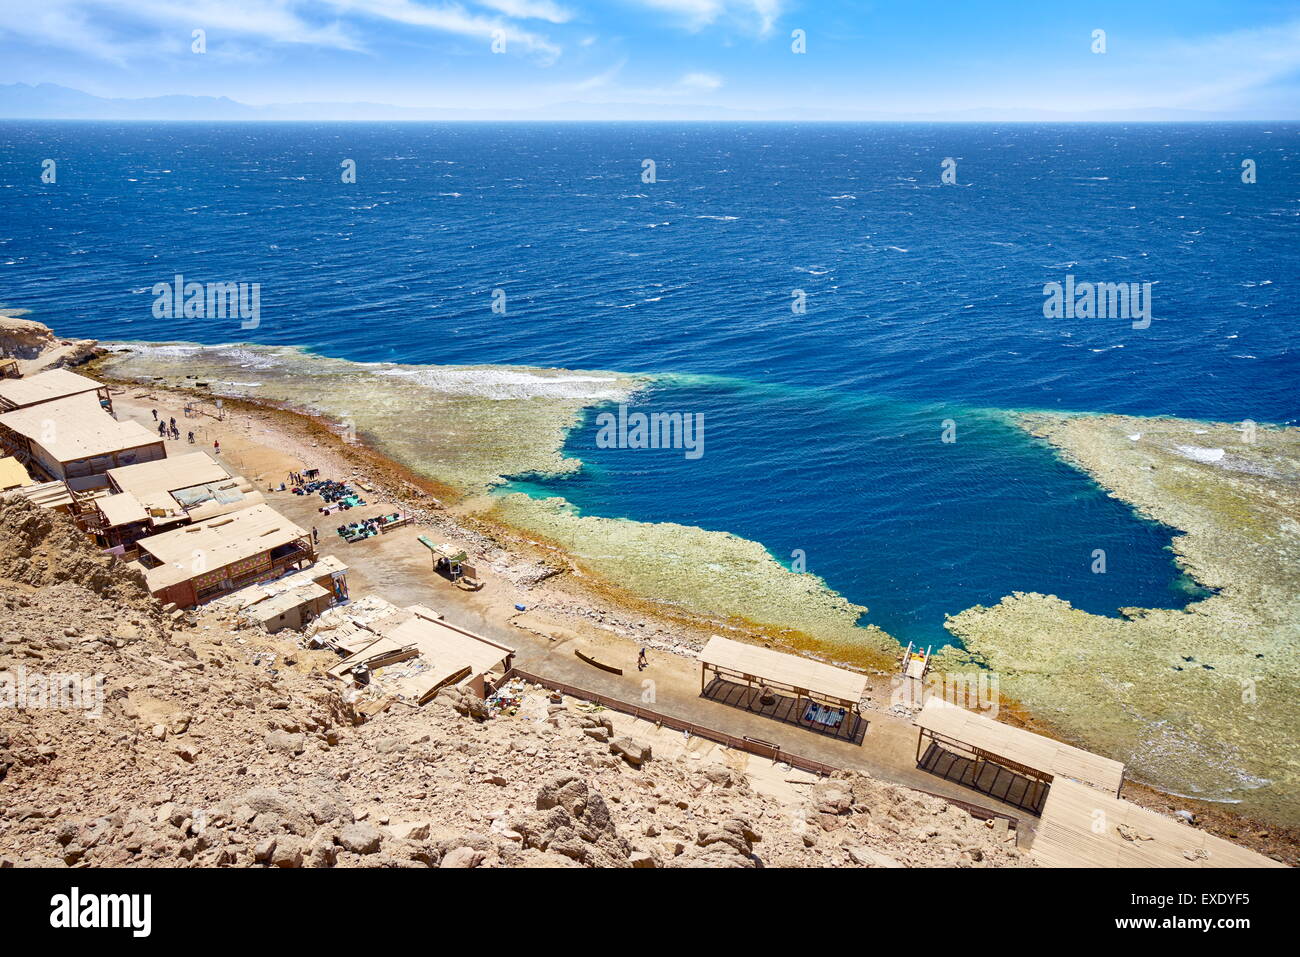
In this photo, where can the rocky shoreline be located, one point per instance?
(573, 596)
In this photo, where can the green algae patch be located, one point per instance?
(1202, 701)
(466, 426)
(733, 581)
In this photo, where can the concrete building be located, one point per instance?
(196, 563)
(75, 440)
(153, 497)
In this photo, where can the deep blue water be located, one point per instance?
(822, 430)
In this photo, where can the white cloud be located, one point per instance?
(109, 31)
(451, 19)
(118, 32)
(529, 10)
(757, 15)
(599, 80)
(1216, 71)
(706, 82)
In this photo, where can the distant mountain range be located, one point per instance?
(48, 101)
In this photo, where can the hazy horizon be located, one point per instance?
(651, 59)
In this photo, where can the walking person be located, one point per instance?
(216, 447)
(191, 438)
(641, 662)
(155, 415)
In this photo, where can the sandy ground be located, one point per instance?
(562, 613)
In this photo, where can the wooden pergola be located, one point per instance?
(990, 745)
(833, 694)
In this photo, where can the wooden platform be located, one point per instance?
(1008, 745)
(1082, 827)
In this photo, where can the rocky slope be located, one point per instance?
(37, 348)
(223, 747)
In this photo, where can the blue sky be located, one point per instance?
(899, 57)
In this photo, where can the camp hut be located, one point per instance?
(196, 563)
(292, 600)
(120, 521)
(452, 563)
(1011, 764)
(49, 386)
(809, 693)
(186, 488)
(412, 653)
(74, 440)
(450, 655)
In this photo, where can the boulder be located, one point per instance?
(360, 838)
(634, 752)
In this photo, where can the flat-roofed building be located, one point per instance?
(152, 497)
(1014, 765)
(48, 386)
(811, 694)
(409, 653)
(1083, 827)
(55, 496)
(293, 600)
(74, 440)
(195, 563)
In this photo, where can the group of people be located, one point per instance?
(169, 429)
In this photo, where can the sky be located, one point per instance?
(905, 57)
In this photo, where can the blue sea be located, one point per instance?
(823, 430)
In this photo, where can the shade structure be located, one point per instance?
(801, 675)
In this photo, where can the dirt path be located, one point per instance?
(398, 568)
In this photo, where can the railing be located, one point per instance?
(751, 745)
(755, 746)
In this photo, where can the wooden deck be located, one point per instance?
(783, 708)
(993, 779)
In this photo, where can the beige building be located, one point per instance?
(152, 497)
(410, 653)
(48, 386)
(12, 474)
(75, 440)
(292, 600)
(196, 563)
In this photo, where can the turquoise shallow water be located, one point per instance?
(822, 429)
